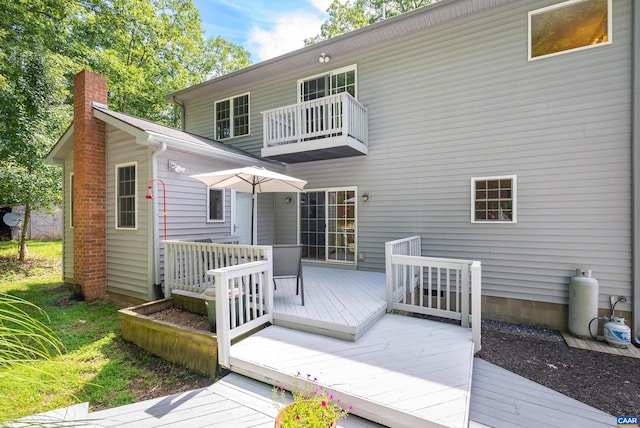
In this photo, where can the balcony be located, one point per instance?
(325, 128)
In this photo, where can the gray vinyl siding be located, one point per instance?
(128, 251)
(67, 237)
(461, 100)
(199, 116)
(187, 198)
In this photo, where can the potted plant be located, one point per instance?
(312, 406)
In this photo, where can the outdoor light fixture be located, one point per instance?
(176, 167)
(288, 200)
(324, 57)
(365, 197)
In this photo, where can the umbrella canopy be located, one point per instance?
(252, 179)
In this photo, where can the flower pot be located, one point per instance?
(289, 407)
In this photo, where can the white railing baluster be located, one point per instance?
(450, 284)
(338, 114)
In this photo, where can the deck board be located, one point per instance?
(402, 372)
(499, 399)
(340, 303)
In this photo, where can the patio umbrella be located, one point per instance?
(252, 179)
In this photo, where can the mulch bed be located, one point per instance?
(607, 382)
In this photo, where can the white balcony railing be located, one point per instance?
(433, 286)
(332, 116)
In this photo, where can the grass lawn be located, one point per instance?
(97, 365)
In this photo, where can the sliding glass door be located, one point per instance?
(328, 225)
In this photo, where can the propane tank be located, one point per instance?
(617, 333)
(583, 304)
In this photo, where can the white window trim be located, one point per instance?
(122, 165)
(71, 199)
(514, 198)
(326, 191)
(215, 116)
(564, 4)
(353, 67)
(224, 206)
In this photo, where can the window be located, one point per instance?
(126, 184)
(569, 26)
(334, 82)
(215, 205)
(493, 199)
(328, 224)
(232, 117)
(71, 197)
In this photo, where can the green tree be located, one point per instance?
(354, 14)
(31, 104)
(148, 48)
(29, 115)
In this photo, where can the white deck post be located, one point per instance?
(222, 316)
(388, 253)
(476, 299)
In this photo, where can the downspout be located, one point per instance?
(635, 148)
(183, 119)
(155, 240)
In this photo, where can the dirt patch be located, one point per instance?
(607, 382)
(183, 318)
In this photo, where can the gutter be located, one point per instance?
(635, 150)
(155, 239)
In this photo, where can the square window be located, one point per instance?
(493, 199)
(569, 26)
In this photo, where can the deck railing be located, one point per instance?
(186, 263)
(244, 301)
(446, 288)
(330, 116)
(240, 275)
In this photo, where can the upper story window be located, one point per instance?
(126, 201)
(333, 82)
(493, 199)
(215, 205)
(569, 26)
(232, 117)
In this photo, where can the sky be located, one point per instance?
(266, 28)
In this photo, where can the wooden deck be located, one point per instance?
(394, 370)
(339, 303)
(403, 371)
(499, 399)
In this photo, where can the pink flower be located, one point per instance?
(350, 408)
(324, 403)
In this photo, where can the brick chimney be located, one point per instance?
(89, 180)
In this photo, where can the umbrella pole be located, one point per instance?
(253, 210)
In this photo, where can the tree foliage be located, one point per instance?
(146, 48)
(353, 14)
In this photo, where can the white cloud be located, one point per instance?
(322, 5)
(288, 33)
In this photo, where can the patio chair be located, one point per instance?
(287, 263)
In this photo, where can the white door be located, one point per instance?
(242, 220)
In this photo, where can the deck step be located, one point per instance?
(403, 371)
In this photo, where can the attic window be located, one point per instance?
(569, 26)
